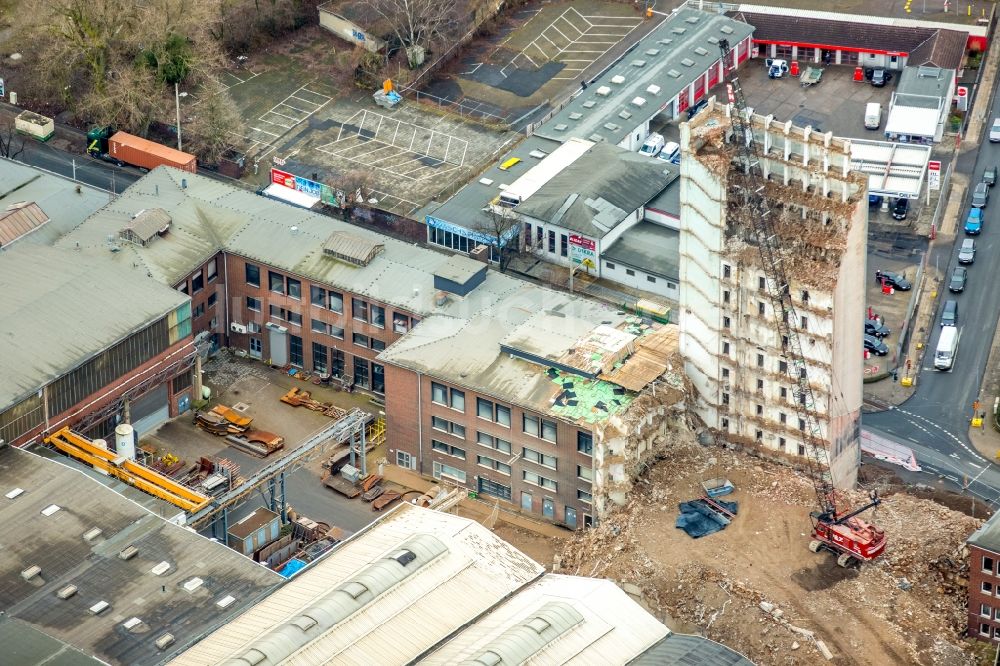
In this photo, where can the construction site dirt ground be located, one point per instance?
(907, 607)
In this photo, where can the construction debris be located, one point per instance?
(757, 588)
(704, 516)
(258, 443)
(299, 398)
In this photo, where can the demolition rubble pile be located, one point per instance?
(757, 588)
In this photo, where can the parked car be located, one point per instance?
(693, 110)
(995, 131)
(958, 279)
(990, 175)
(899, 208)
(671, 153)
(874, 200)
(876, 346)
(652, 145)
(949, 316)
(880, 77)
(981, 195)
(894, 280)
(967, 253)
(974, 222)
(876, 328)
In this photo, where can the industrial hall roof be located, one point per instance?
(384, 596)
(19, 220)
(65, 203)
(61, 308)
(665, 62)
(86, 573)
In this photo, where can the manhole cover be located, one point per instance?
(241, 407)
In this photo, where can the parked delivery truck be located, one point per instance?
(944, 355)
(121, 148)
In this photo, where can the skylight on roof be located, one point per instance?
(692, 19)
(687, 62)
(652, 52)
(485, 181)
(617, 79)
(611, 126)
(17, 492)
(679, 31)
(674, 74)
(638, 63)
(575, 115)
(665, 41)
(726, 29)
(604, 91)
(624, 115)
(713, 40)
(561, 127)
(50, 509)
(537, 154)
(589, 104)
(653, 89)
(638, 101)
(701, 51)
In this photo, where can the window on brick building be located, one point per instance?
(988, 564)
(252, 275)
(584, 442)
(986, 588)
(276, 282)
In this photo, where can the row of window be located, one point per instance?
(443, 470)
(631, 273)
(197, 281)
(326, 299)
(366, 374)
(727, 273)
(759, 436)
(443, 425)
(988, 631)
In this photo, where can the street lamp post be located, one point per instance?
(177, 101)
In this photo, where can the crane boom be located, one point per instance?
(844, 533)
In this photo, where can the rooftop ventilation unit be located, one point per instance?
(160, 569)
(653, 89)
(687, 62)
(638, 101)
(618, 79)
(652, 52)
(351, 248)
(701, 51)
(485, 181)
(575, 116)
(561, 127)
(164, 641)
(31, 572)
(131, 623)
(226, 601)
(100, 607)
(679, 31)
(726, 30)
(638, 63)
(128, 553)
(713, 40)
(665, 41)
(589, 104)
(597, 138)
(692, 19)
(92, 534)
(604, 91)
(674, 74)
(537, 154)
(624, 115)
(611, 127)
(66, 592)
(14, 494)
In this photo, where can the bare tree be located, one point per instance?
(11, 143)
(215, 125)
(501, 224)
(415, 23)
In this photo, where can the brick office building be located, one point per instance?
(984, 581)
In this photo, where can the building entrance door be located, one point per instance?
(548, 508)
(525, 501)
(571, 518)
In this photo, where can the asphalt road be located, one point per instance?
(85, 169)
(935, 421)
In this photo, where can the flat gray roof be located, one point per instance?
(57, 546)
(61, 308)
(669, 200)
(672, 56)
(65, 202)
(988, 534)
(650, 247)
(923, 87)
(599, 190)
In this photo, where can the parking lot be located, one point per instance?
(891, 309)
(255, 390)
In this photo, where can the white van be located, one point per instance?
(944, 355)
(653, 145)
(873, 115)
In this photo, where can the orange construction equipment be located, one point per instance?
(127, 470)
(232, 416)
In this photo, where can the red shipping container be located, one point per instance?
(148, 154)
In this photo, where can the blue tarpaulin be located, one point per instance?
(291, 568)
(698, 518)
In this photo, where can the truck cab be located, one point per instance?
(97, 144)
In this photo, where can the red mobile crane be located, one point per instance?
(837, 529)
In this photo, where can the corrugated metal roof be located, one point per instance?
(686, 650)
(473, 571)
(600, 624)
(54, 320)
